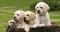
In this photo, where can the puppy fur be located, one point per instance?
(29, 20)
(42, 15)
(17, 21)
(18, 17)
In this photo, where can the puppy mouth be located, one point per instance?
(38, 11)
(26, 21)
(16, 20)
(41, 14)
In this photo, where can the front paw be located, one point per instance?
(34, 26)
(41, 25)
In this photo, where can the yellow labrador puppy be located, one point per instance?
(29, 20)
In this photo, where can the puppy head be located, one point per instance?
(18, 15)
(41, 8)
(29, 16)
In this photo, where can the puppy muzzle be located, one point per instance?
(15, 19)
(38, 11)
(41, 14)
(26, 21)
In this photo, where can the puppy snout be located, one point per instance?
(38, 11)
(26, 21)
(14, 17)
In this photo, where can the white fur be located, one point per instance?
(20, 17)
(30, 16)
(26, 28)
(43, 18)
(21, 14)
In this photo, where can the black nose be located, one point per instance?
(14, 17)
(38, 11)
(26, 21)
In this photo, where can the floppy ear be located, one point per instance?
(23, 14)
(33, 16)
(46, 7)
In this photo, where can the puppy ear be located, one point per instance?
(46, 7)
(33, 16)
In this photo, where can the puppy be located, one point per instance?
(42, 15)
(18, 17)
(29, 20)
(17, 21)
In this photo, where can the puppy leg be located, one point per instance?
(26, 28)
(41, 25)
(48, 23)
(35, 25)
(37, 21)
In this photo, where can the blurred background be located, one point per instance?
(8, 7)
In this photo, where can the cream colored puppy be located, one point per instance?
(29, 20)
(42, 15)
(18, 19)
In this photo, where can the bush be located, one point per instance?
(54, 4)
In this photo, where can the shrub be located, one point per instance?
(54, 4)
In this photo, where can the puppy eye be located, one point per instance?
(37, 7)
(17, 14)
(41, 7)
(27, 15)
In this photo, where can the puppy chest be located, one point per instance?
(42, 20)
(19, 25)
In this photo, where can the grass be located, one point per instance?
(55, 16)
(8, 7)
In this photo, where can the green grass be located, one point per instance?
(8, 7)
(55, 16)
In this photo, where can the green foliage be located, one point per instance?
(54, 4)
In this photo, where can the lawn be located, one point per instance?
(8, 7)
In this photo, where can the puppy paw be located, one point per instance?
(26, 28)
(41, 25)
(34, 26)
(11, 22)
